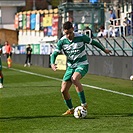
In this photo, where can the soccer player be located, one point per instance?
(28, 56)
(1, 75)
(8, 50)
(73, 46)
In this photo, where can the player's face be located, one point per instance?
(6, 43)
(69, 33)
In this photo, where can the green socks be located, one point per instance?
(82, 100)
(1, 80)
(82, 97)
(69, 103)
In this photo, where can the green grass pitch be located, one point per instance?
(31, 102)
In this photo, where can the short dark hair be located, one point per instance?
(67, 25)
(102, 27)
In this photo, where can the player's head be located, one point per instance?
(6, 43)
(111, 11)
(68, 30)
(67, 25)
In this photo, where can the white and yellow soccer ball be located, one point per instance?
(131, 77)
(80, 112)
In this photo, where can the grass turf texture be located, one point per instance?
(33, 104)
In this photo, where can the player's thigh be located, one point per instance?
(76, 76)
(82, 69)
(68, 74)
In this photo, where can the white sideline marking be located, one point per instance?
(116, 92)
(94, 87)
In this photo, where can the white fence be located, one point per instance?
(118, 28)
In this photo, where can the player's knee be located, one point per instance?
(63, 90)
(74, 80)
(63, 87)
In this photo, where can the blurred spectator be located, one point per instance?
(1, 74)
(115, 30)
(127, 24)
(88, 32)
(28, 56)
(8, 52)
(8, 49)
(112, 17)
(75, 25)
(102, 32)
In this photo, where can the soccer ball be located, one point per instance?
(131, 77)
(80, 112)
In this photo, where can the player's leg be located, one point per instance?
(66, 84)
(77, 75)
(29, 56)
(66, 96)
(7, 56)
(26, 60)
(65, 93)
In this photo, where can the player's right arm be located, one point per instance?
(52, 60)
(54, 55)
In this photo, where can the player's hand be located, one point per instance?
(107, 51)
(54, 67)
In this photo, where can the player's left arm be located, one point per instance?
(100, 46)
(95, 43)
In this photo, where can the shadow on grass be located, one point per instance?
(90, 116)
(25, 117)
(10, 118)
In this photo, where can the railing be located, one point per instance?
(120, 46)
(118, 28)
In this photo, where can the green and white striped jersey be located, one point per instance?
(74, 50)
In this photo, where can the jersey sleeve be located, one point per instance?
(56, 52)
(93, 42)
(86, 39)
(98, 45)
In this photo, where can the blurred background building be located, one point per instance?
(9, 8)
